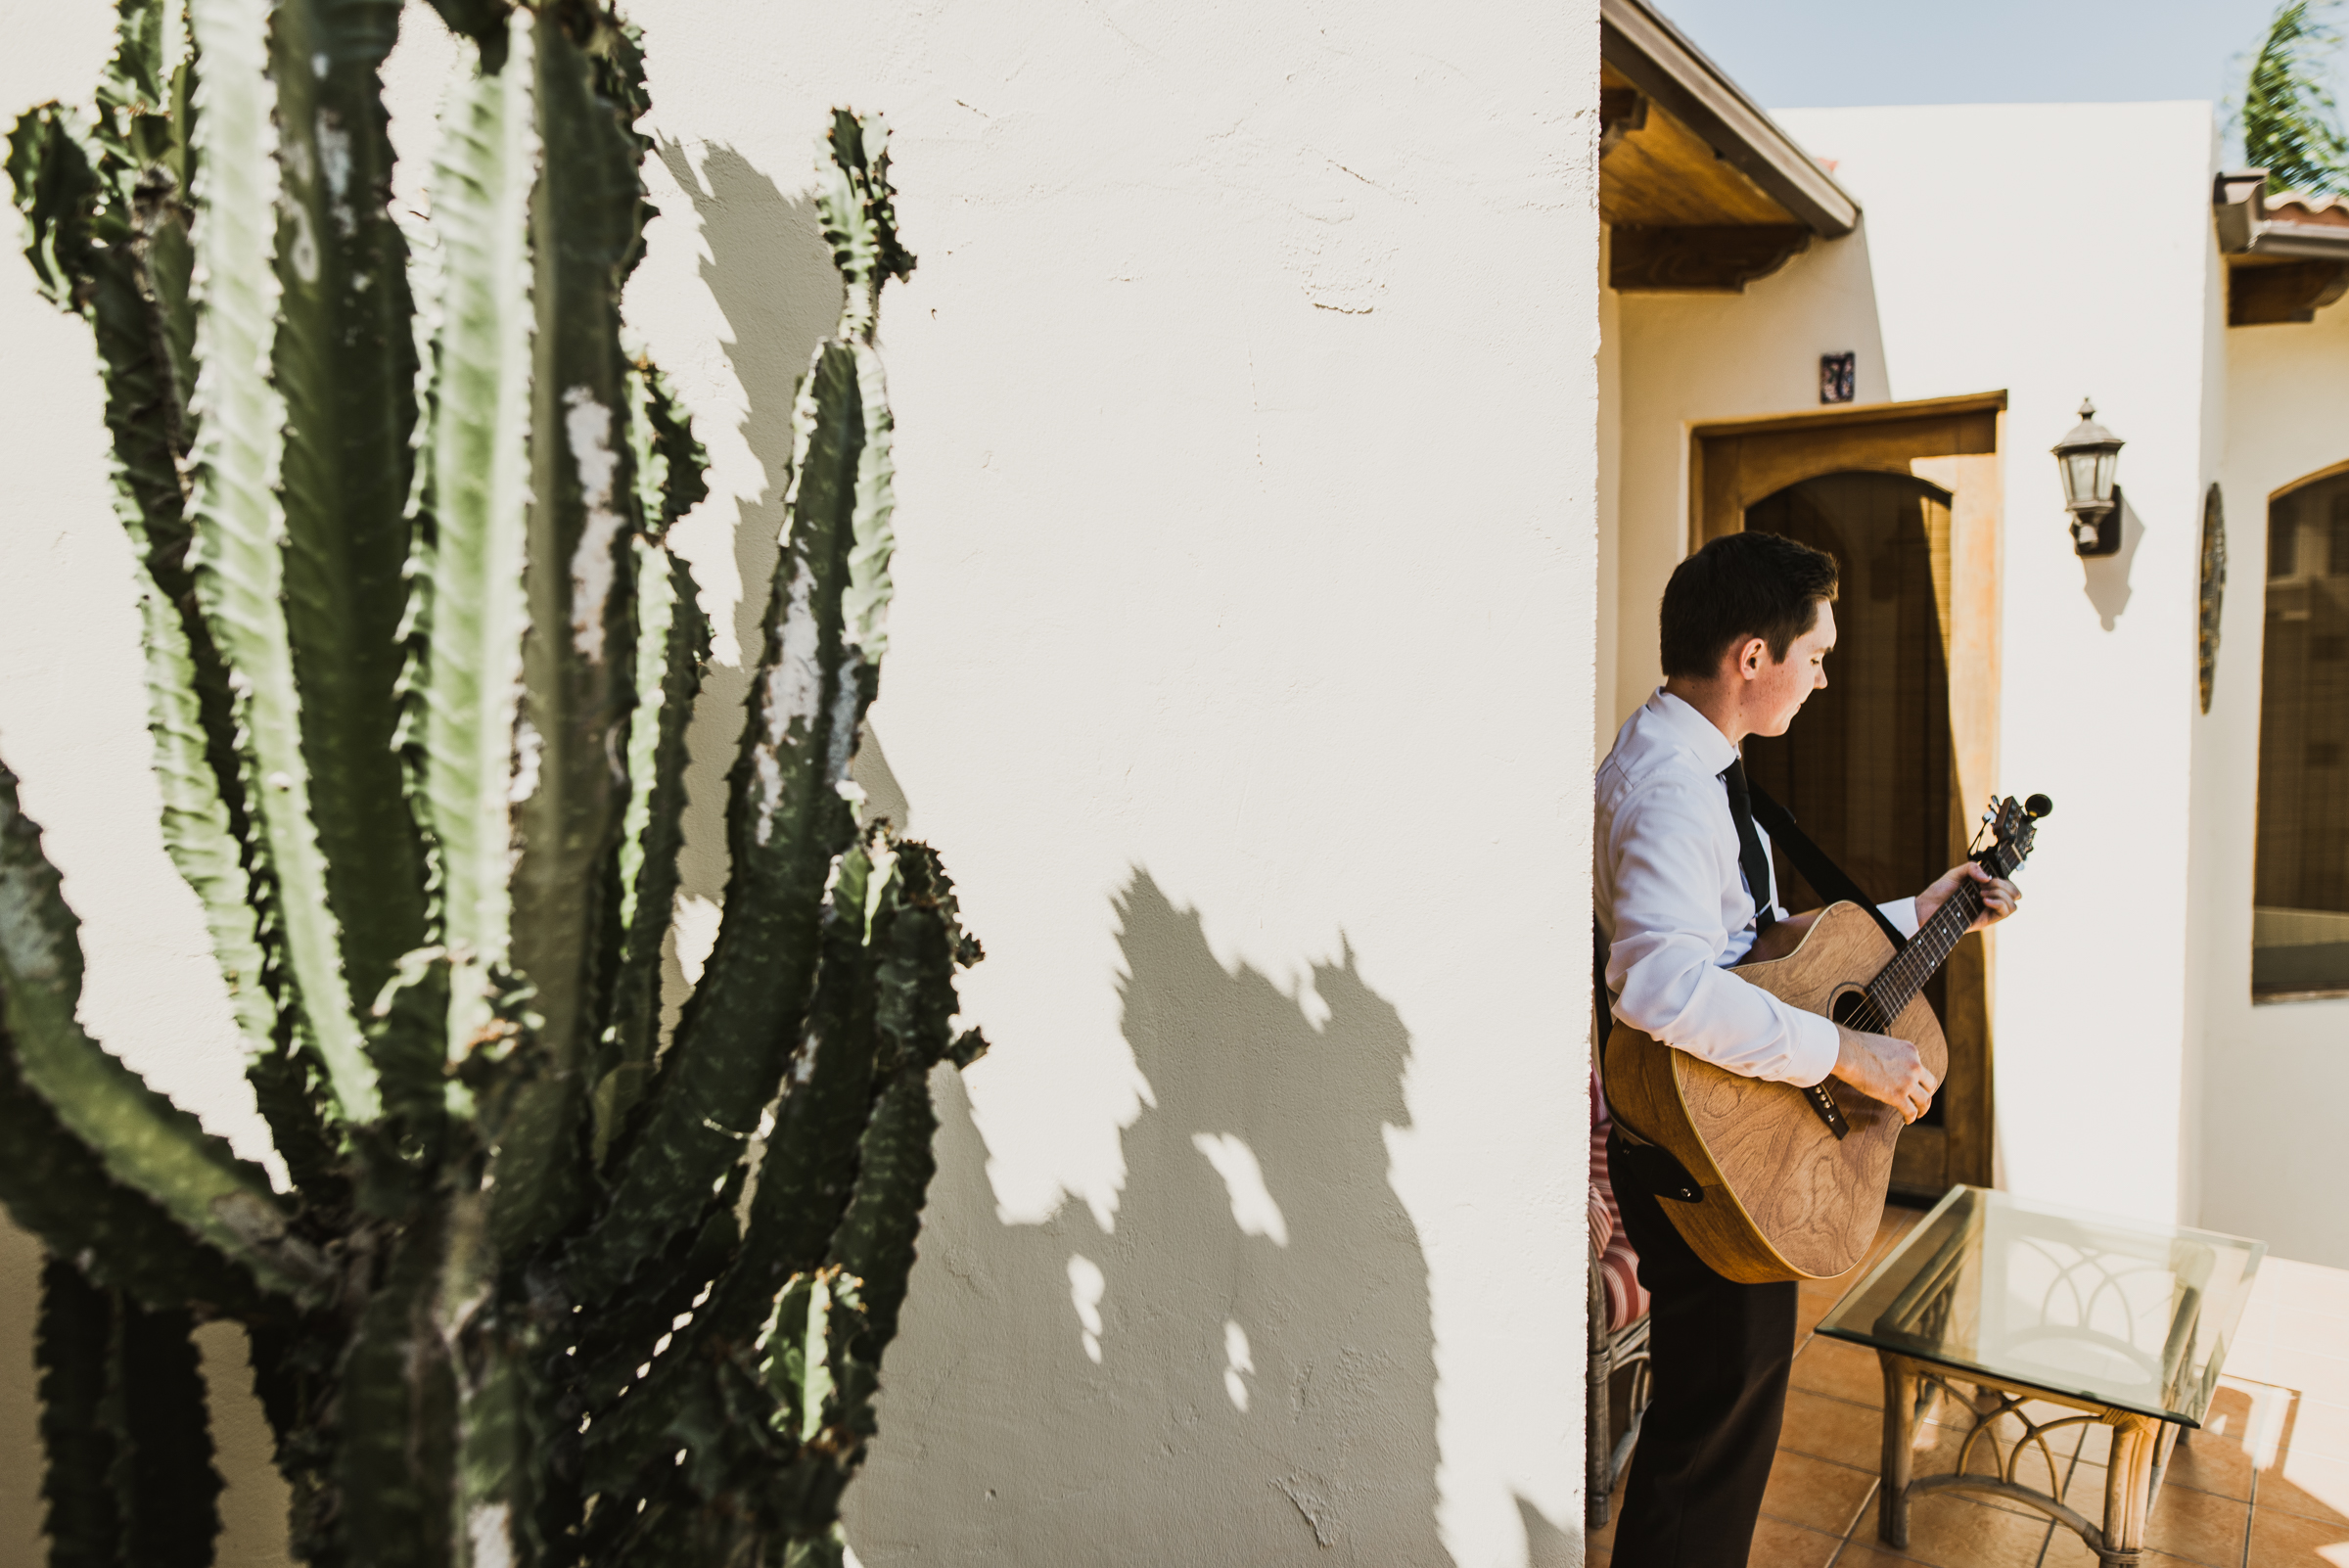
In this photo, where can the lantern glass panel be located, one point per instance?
(2106, 462)
(2080, 478)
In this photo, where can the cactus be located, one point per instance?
(542, 1289)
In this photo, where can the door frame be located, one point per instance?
(1956, 443)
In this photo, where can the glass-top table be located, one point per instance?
(2125, 1322)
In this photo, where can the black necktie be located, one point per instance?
(1751, 858)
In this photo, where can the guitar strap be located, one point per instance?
(1663, 1175)
(1827, 878)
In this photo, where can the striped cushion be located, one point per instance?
(1619, 1265)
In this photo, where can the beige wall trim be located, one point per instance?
(2306, 479)
(1857, 414)
(1734, 463)
(1664, 65)
(1954, 444)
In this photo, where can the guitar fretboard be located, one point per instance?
(1900, 980)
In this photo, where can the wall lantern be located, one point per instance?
(2087, 457)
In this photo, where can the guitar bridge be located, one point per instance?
(1823, 1104)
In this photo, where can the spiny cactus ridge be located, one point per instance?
(539, 1287)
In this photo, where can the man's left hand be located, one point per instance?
(1999, 896)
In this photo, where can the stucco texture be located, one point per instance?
(2274, 1077)
(2133, 1073)
(1989, 275)
(1241, 667)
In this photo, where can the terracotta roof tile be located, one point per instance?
(2302, 207)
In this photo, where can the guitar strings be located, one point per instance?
(1891, 991)
(1887, 995)
(1925, 953)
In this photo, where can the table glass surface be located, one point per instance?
(2121, 1312)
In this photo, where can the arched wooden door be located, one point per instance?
(1887, 766)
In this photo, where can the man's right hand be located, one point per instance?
(1885, 1069)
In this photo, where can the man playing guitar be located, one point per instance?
(1683, 893)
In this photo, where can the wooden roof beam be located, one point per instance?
(2284, 262)
(1657, 59)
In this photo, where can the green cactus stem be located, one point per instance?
(130, 1475)
(545, 1290)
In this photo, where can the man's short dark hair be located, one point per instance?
(1744, 584)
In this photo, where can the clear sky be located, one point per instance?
(1819, 54)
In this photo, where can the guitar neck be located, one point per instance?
(1919, 962)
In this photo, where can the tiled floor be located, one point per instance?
(2264, 1485)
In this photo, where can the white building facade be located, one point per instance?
(1286, 492)
(2134, 1072)
(1241, 669)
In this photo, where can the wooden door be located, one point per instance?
(1888, 766)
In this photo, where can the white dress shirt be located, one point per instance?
(1675, 910)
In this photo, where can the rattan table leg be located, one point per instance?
(2127, 1486)
(1900, 1448)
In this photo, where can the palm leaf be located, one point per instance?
(2291, 126)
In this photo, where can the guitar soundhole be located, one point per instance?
(1847, 1007)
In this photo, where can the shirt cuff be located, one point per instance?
(1813, 1049)
(1901, 912)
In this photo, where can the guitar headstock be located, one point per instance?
(2014, 829)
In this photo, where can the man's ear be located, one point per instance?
(1752, 654)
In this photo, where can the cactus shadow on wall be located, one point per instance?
(1242, 1370)
(1003, 1441)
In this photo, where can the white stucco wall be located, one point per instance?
(2274, 1162)
(1994, 270)
(1610, 507)
(1974, 271)
(1242, 667)
(1693, 358)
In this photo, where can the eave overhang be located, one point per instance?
(2287, 253)
(1657, 59)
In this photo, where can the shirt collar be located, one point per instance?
(1693, 729)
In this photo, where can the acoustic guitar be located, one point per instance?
(1789, 1184)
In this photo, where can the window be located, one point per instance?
(2301, 917)
(2283, 536)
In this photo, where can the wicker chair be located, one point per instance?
(1612, 1351)
(1616, 1347)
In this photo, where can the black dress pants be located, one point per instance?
(1721, 1355)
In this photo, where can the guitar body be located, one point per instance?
(1783, 1198)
